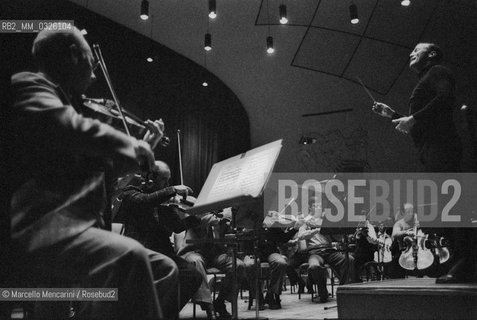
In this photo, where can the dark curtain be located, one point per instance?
(210, 132)
(212, 120)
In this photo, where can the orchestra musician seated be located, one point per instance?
(150, 221)
(211, 255)
(366, 244)
(402, 228)
(271, 241)
(62, 166)
(317, 251)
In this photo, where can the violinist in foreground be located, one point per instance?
(150, 216)
(61, 158)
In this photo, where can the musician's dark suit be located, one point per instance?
(317, 255)
(152, 224)
(59, 199)
(212, 255)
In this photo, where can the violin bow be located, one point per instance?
(180, 154)
(99, 57)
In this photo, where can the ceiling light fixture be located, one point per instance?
(208, 42)
(144, 10)
(204, 82)
(212, 9)
(307, 140)
(283, 14)
(150, 57)
(270, 48)
(405, 3)
(353, 13)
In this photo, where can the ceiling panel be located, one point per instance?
(459, 41)
(378, 64)
(394, 23)
(326, 51)
(299, 12)
(334, 14)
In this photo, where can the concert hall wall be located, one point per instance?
(213, 122)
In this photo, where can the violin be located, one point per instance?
(110, 111)
(106, 111)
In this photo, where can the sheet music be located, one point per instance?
(226, 184)
(242, 175)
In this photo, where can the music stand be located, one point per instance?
(237, 181)
(233, 241)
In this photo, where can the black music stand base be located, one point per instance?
(257, 284)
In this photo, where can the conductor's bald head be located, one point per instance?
(66, 57)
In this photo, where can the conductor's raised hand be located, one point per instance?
(383, 110)
(404, 124)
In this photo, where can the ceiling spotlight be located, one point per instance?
(270, 45)
(405, 3)
(208, 42)
(212, 9)
(353, 13)
(205, 84)
(149, 59)
(283, 14)
(144, 10)
(307, 140)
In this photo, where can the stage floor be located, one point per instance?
(292, 308)
(411, 298)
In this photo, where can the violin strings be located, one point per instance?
(99, 55)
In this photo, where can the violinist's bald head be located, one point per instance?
(66, 58)
(162, 168)
(160, 175)
(50, 46)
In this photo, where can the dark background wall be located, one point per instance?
(212, 121)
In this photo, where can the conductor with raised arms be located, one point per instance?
(431, 105)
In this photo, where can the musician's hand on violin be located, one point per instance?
(404, 124)
(144, 155)
(153, 137)
(299, 223)
(383, 110)
(291, 242)
(183, 190)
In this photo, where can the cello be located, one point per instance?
(383, 254)
(416, 256)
